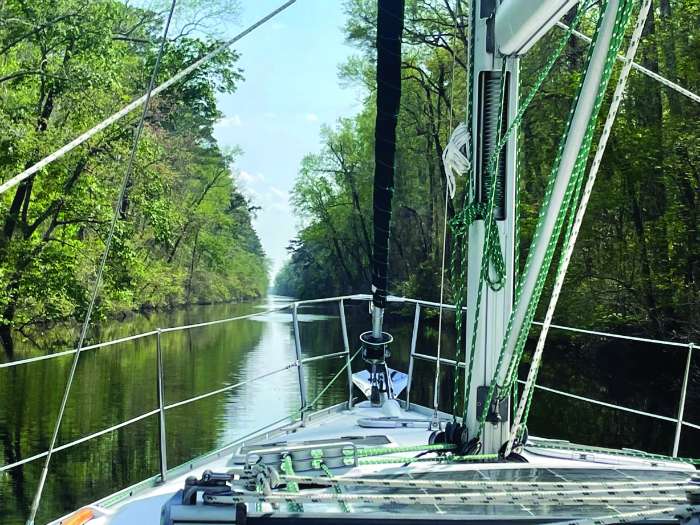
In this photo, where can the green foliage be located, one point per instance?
(184, 234)
(637, 260)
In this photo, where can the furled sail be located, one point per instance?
(389, 30)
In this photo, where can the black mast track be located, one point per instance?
(389, 31)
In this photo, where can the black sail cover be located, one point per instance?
(389, 31)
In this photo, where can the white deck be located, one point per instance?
(142, 503)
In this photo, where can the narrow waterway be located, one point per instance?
(117, 383)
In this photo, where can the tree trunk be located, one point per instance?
(669, 55)
(647, 283)
(192, 263)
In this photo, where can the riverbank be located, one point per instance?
(49, 336)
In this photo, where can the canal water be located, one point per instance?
(117, 383)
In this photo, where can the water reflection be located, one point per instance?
(118, 383)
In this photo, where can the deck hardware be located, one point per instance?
(498, 408)
(304, 457)
(375, 352)
(211, 483)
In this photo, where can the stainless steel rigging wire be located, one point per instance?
(136, 103)
(654, 76)
(103, 260)
(436, 386)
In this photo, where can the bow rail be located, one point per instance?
(300, 361)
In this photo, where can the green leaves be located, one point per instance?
(67, 65)
(637, 260)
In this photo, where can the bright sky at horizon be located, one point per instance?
(291, 88)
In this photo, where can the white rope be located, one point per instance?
(498, 486)
(454, 158)
(562, 498)
(135, 104)
(633, 517)
(580, 212)
(655, 76)
(456, 155)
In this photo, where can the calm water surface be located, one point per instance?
(118, 383)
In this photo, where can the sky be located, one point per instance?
(291, 88)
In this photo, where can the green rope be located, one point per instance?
(338, 490)
(472, 458)
(450, 458)
(575, 184)
(579, 167)
(382, 451)
(569, 204)
(292, 486)
(614, 452)
(367, 456)
(470, 212)
(259, 490)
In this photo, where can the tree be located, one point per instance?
(184, 233)
(636, 262)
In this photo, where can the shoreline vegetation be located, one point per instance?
(184, 233)
(64, 331)
(636, 266)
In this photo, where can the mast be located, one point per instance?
(511, 27)
(496, 305)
